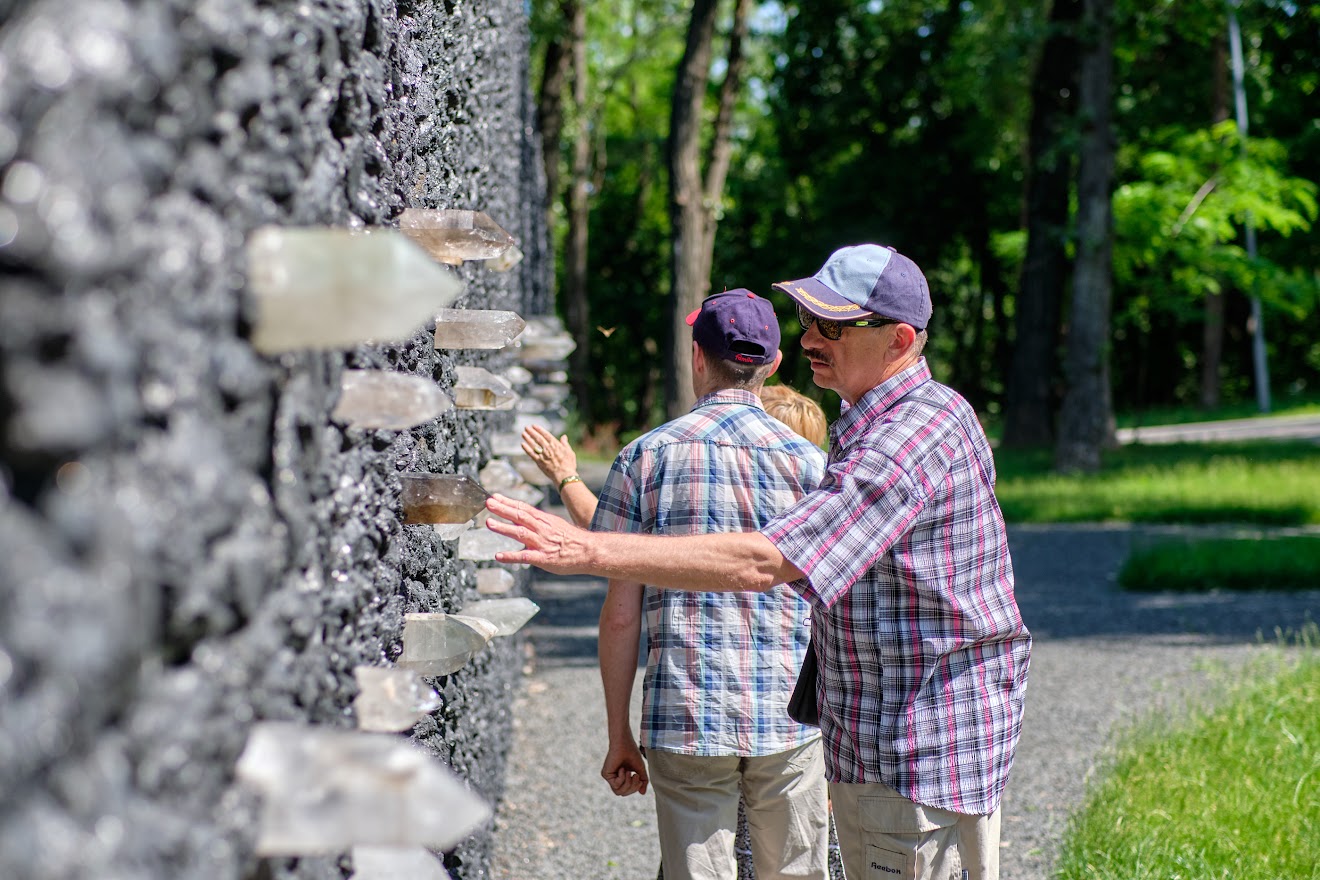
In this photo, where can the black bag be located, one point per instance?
(802, 706)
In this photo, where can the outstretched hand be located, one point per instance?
(548, 542)
(553, 455)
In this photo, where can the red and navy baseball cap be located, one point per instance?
(862, 280)
(736, 325)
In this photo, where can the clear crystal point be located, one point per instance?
(476, 328)
(390, 401)
(481, 545)
(544, 343)
(494, 581)
(500, 476)
(396, 863)
(391, 700)
(507, 260)
(508, 615)
(453, 236)
(440, 498)
(438, 644)
(528, 470)
(451, 531)
(325, 791)
(504, 443)
(479, 388)
(319, 288)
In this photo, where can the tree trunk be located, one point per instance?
(1212, 336)
(576, 312)
(1086, 420)
(687, 211)
(550, 113)
(1029, 398)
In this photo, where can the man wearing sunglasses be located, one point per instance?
(903, 555)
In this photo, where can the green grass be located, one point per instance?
(1273, 483)
(1289, 562)
(1231, 794)
(1280, 405)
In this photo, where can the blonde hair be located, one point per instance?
(798, 411)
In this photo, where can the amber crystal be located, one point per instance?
(453, 236)
(319, 288)
(479, 388)
(390, 401)
(476, 328)
(440, 498)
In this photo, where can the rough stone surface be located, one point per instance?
(188, 544)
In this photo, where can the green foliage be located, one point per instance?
(1230, 794)
(1260, 562)
(1267, 483)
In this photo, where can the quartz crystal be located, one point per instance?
(440, 498)
(336, 288)
(508, 615)
(517, 375)
(527, 494)
(544, 343)
(531, 405)
(481, 545)
(392, 401)
(451, 531)
(500, 476)
(479, 388)
(438, 644)
(494, 581)
(507, 260)
(553, 393)
(530, 472)
(390, 700)
(325, 791)
(452, 236)
(504, 443)
(476, 328)
(396, 863)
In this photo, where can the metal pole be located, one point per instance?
(1258, 355)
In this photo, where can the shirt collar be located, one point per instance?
(729, 395)
(877, 401)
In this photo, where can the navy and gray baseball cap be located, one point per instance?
(865, 279)
(736, 325)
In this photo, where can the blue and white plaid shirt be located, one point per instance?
(720, 666)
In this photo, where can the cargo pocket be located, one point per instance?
(904, 840)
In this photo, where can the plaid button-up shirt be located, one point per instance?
(923, 655)
(720, 666)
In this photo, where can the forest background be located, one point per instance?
(1073, 177)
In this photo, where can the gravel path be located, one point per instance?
(1102, 658)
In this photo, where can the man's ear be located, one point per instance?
(779, 358)
(905, 335)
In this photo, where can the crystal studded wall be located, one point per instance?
(205, 571)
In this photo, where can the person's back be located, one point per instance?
(720, 667)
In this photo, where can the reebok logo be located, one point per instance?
(876, 866)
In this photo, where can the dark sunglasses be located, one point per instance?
(832, 330)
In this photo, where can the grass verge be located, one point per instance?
(1266, 483)
(1260, 563)
(1232, 794)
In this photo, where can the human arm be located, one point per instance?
(620, 635)
(724, 562)
(556, 459)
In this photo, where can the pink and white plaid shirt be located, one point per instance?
(923, 654)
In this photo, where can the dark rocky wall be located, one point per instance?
(188, 544)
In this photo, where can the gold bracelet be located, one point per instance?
(571, 478)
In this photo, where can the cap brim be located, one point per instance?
(692, 316)
(818, 299)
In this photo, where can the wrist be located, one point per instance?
(571, 478)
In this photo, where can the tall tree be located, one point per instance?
(694, 197)
(1029, 392)
(1086, 420)
(576, 306)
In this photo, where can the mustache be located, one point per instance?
(816, 354)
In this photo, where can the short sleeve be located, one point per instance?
(839, 531)
(618, 508)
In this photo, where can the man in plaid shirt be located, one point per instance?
(720, 666)
(903, 554)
